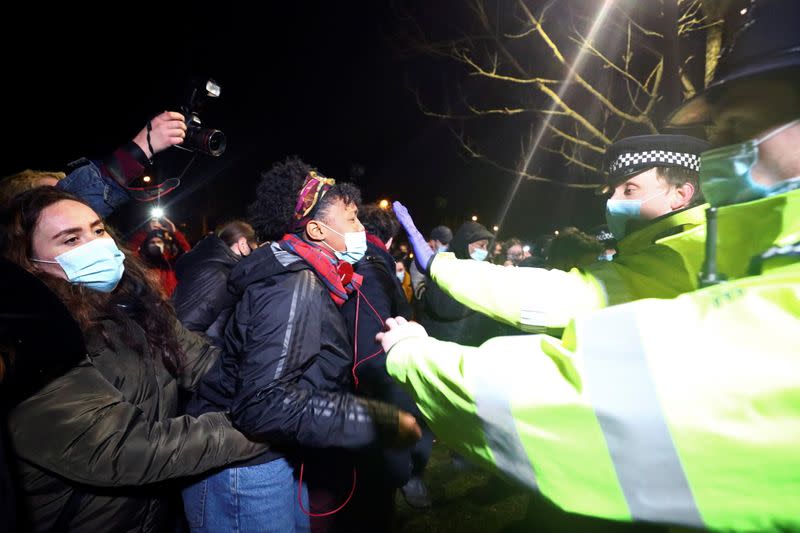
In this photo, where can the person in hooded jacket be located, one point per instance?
(442, 316)
(159, 245)
(202, 299)
(95, 446)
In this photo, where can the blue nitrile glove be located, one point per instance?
(423, 255)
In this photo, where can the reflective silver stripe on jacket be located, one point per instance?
(501, 434)
(625, 401)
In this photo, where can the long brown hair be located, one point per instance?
(136, 297)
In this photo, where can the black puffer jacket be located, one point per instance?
(382, 297)
(288, 362)
(103, 437)
(202, 299)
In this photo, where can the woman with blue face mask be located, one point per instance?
(291, 354)
(88, 440)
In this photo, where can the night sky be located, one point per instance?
(325, 81)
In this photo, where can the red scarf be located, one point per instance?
(376, 241)
(337, 275)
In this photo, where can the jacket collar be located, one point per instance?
(663, 227)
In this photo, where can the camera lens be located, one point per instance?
(207, 140)
(216, 142)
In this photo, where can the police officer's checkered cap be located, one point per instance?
(637, 154)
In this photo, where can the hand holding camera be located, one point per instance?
(162, 223)
(167, 129)
(198, 138)
(184, 129)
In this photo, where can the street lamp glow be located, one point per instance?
(556, 232)
(474, 218)
(384, 204)
(496, 228)
(146, 179)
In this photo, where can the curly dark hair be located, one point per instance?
(346, 192)
(136, 297)
(272, 212)
(379, 222)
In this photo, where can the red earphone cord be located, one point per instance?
(356, 362)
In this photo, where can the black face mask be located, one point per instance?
(154, 250)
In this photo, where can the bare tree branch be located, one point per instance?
(571, 160)
(574, 114)
(576, 140)
(475, 154)
(499, 111)
(641, 118)
(464, 58)
(636, 25)
(581, 40)
(617, 89)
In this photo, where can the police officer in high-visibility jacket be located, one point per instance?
(654, 212)
(679, 411)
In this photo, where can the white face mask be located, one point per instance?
(355, 243)
(401, 276)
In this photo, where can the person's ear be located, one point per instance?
(315, 231)
(683, 196)
(244, 248)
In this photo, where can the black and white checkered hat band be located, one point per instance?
(654, 158)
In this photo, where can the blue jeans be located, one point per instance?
(245, 499)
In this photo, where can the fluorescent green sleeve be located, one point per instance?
(532, 299)
(516, 406)
(433, 372)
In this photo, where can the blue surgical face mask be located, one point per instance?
(401, 276)
(441, 249)
(620, 212)
(98, 264)
(479, 254)
(605, 257)
(355, 243)
(726, 173)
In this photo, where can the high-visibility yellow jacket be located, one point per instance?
(661, 260)
(683, 411)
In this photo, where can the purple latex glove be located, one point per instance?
(422, 251)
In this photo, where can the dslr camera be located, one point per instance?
(198, 138)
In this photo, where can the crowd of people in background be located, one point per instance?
(291, 370)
